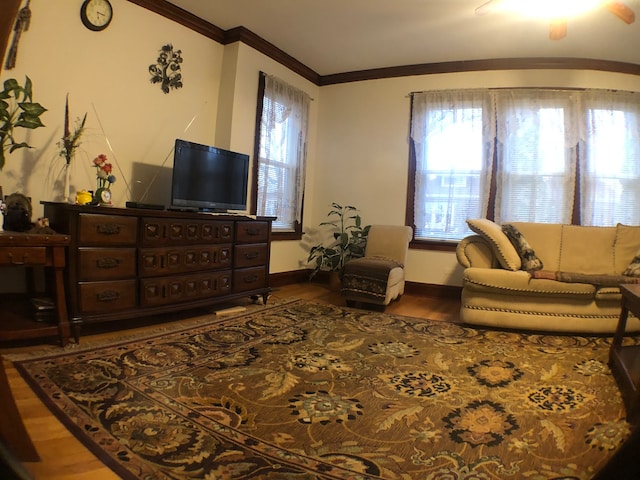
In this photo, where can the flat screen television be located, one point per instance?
(208, 178)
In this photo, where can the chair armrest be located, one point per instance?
(475, 251)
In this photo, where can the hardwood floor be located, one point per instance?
(64, 457)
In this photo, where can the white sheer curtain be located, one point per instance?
(452, 132)
(610, 158)
(556, 152)
(283, 140)
(537, 137)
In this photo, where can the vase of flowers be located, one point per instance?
(68, 145)
(105, 179)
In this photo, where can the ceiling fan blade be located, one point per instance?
(558, 28)
(621, 11)
(485, 8)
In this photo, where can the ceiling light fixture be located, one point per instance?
(557, 11)
(550, 9)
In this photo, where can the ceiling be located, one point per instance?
(338, 36)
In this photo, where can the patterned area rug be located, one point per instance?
(302, 390)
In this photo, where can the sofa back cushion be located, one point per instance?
(578, 249)
(587, 250)
(627, 246)
(544, 239)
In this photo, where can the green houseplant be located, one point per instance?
(349, 240)
(17, 109)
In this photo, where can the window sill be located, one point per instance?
(436, 245)
(286, 236)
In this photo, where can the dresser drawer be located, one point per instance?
(183, 288)
(23, 255)
(159, 231)
(250, 255)
(106, 263)
(106, 230)
(163, 261)
(106, 297)
(252, 232)
(247, 279)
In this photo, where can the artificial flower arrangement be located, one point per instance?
(68, 145)
(105, 179)
(71, 140)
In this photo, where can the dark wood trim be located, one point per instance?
(437, 245)
(415, 288)
(433, 290)
(177, 14)
(10, 10)
(256, 144)
(246, 36)
(288, 278)
(535, 63)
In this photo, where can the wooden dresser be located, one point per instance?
(126, 263)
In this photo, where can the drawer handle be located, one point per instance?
(108, 229)
(108, 262)
(18, 262)
(251, 256)
(108, 296)
(251, 279)
(253, 231)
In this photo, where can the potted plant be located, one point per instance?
(349, 241)
(17, 109)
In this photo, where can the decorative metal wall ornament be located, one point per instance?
(23, 21)
(167, 71)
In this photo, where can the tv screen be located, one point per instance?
(208, 178)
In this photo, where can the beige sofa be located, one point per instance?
(575, 290)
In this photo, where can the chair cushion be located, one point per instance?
(369, 278)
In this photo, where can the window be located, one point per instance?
(523, 155)
(281, 152)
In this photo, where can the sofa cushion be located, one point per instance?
(545, 239)
(502, 247)
(527, 255)
(587, 250)
(496, 281)
(627, 250)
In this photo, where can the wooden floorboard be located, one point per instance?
(63, 457)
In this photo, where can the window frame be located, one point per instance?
(296, 233)
(450, 245)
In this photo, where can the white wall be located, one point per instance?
(358, 139)
(363, 148)
(106, 75)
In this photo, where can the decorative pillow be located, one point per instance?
(502, 247)
(633, 270)
(530, 261)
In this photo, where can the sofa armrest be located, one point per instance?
(475, 251)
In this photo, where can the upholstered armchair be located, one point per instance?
(378, 277)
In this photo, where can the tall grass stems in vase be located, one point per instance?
(349, 240)
(68, 146)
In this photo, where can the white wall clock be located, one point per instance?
(96, 15)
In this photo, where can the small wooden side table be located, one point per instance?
(624, 361)
(31, 250)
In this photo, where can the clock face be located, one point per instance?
(105, 196)
(96, 14)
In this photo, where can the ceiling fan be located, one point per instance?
(558, 26)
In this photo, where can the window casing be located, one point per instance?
(281, 132)
(522, 155)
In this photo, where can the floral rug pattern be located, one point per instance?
(303, 390)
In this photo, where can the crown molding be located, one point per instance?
(535, 63)
(246, 36)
